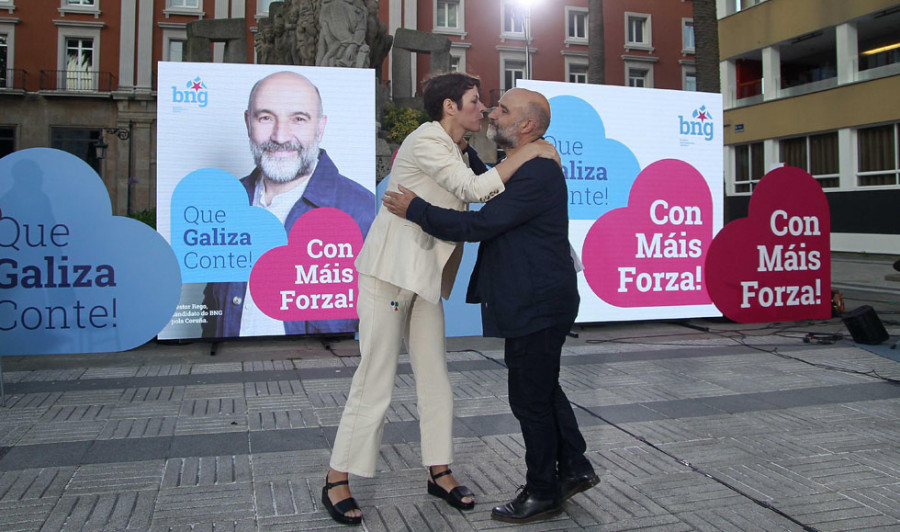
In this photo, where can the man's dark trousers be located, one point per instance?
(548, 423)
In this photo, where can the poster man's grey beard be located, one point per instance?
(284, 169)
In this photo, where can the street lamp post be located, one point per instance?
(525, 5)
(100, 146)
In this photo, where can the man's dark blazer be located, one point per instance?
(326, 188)
(524, 277)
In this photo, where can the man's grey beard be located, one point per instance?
(505, 137)
(285, 169)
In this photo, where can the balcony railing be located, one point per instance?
(76, 81)
(12, 78)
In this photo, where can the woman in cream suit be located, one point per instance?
(404, 272)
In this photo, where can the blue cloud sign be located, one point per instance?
(599, 171)
(216, 234)
(74, 278)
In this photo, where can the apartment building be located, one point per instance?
(815, 84)
(78, 74)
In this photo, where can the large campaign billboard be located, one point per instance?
(644, 169)
(265, 193)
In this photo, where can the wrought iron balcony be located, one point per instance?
(77, 81)
(12, 78)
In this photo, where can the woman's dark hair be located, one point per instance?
(438, 88)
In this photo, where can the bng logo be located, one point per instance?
(700, 124)
(194, 93)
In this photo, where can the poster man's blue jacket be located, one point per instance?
(326, 188)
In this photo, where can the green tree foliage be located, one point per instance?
(401, 121)
(148, 216)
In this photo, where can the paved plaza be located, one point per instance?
(695, 424)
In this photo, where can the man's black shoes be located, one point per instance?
(525, 508)
(574, 484)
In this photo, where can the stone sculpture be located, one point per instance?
(265, 43)
(377, 38)
(291, 20)
(307, 31)
(342, 34)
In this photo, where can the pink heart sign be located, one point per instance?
(650, 253)
(313, 277)
(775, 264)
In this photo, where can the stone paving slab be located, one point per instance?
(690, 430)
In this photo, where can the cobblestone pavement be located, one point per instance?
(692, 425)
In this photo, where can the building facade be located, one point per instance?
(78, 73)
(815, 84)
(75, 74)
(648, 43)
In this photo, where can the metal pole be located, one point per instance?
(527, 49)
(130, 176)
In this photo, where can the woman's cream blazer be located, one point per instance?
(396, 250)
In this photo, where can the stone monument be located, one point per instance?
(342, 33)
(202, 33)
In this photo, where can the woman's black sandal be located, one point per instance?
(338, 509)
(453, 497)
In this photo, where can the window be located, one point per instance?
(458, 56)
(7, 140)
(744, 4)
(7, 58)
(174, 40)
(689, 79)
(638, 77)
(878, 42)
(817, 64)
(175, 51)
(513, 19)
(262, 6)
(79, 142)
(749, 77)
(817, 154)
(184, 7)
(448, 15)
(79, 68)
(576, 72)
(687, 36)
(877, 155)
(80, 6)
(512, 70)
(576, 26)
(4, 53)
(639, 71)
(637, 26)
(879, 57)
(78, 56)
(748, 166)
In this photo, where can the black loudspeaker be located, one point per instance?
(864, 326)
